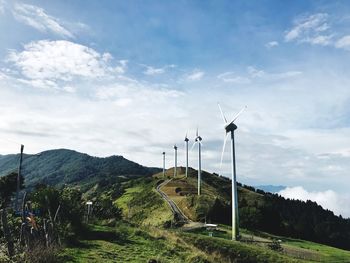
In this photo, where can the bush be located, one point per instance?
(275, 245)
(42, 254)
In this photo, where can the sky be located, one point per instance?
(133, 77)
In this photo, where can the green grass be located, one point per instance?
(143, 205)
(123, 201)
(130, 244)
(294, 248)
(326, 253)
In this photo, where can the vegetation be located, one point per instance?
(132, 223)
(61, 167)
(141, 203)
(271, 213)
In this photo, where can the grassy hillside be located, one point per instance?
(219, 248)
(59, 167)
(131, 243)
(141, 203)
(127, 243)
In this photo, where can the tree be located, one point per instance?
(8, 186)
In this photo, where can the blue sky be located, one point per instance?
(132, 77)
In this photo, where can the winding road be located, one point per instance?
(178, 214)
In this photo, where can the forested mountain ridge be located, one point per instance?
(62, 166)
(272, 213)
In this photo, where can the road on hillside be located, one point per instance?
(178, 214)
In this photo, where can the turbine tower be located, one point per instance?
(186, 142)
(163, 164)
(198, 140)
(230, 128)
(175, 166)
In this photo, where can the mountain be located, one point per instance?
(271, 188)
(62, 166)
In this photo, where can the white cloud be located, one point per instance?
(121, 68)
(195, 75)
(272, 44)
(154, 71)
(56, 61)
(256, 74)
(311, 29)
(261, 74)
(37, 18)
(151, 71)
(343, 42)
(329, 199)
(231, 77)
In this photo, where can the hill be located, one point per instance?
(258, 210)
(62, 166)
(152, 233)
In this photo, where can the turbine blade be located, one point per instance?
(193, 145)
(197, 132)
(223, 149)
(239, 113)
(222, 113)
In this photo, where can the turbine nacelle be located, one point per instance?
(175, 147)
(230, 127)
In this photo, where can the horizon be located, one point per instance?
(131, 78)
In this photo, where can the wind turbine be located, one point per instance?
(198, 140)
(186, 142)
(163, 164)
(175, 166)
(230, 127)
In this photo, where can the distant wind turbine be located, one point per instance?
(230, 127)
(163, 164)
(186, 142)
(175, 159)
(198, 140)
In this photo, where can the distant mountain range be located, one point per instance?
(62, 166)
(271, 188)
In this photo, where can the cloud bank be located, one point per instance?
(329, 199)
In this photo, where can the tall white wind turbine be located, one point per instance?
(163, 164)
(198, 140)
(186, 144)
(175, 160)
(230, 127)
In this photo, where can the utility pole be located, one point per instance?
(19, 177)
